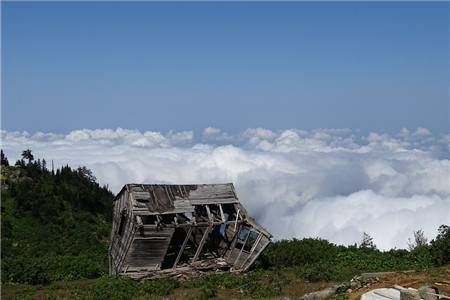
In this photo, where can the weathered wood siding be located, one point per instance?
(148, 249)
(259, 248)
(120, 243)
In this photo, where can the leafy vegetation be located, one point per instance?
(440, 247)
(320, 260)
(125, 288)
(254, 284)
(55, 224)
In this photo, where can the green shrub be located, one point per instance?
(322, 271)
(291, 253)
(47, 269)
(208, 292)
(440, 247)
(160, 286)
(255, 284)
(120, 288)
(421, 257)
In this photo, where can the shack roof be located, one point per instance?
(168, 198)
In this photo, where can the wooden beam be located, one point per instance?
(221, 213)
(182, 247)
(202, 242)
(209, 213)
(237, 218)
(234, 241)
(213, 201)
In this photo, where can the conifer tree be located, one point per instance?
(26, 154)
(4, 159)
(367, 241)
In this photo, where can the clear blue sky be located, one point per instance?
(374, 66)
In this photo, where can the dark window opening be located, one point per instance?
(215, 213)
(149, 220)
(241, 238)
(251, 240)
(174, 248)
(230, 211)
(201, 215)
(122, 225)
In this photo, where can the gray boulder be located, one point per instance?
(428, 289)
(409, 295)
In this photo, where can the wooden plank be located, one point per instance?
(222, 216)
(147, 212)
(208, 211)
(147, 268)
(137, 254)
(439, 295)
(125, 242)
(213, 191)
(213, 201)
(139, 205)
(182, 247)
(378, 274)
(163, 238)
(149, 251)
(202, 242)
(183, 205)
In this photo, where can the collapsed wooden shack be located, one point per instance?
(176, 229)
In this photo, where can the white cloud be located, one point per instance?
(422, 131)
(325, 183)
(343, 219)
(214, 134)
(260, 133)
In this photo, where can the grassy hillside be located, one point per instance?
(55, 224)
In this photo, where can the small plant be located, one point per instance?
(208, 292)
(364, 281)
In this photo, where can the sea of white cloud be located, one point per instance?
(326, 183)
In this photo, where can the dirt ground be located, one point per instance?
(294, 290)
(413, 280)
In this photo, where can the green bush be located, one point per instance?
(440, 247)
(254, 284)
(321, 271)
(421, 257)
(121, 288)
(291, 253)
(317, 260)
(47, 269)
